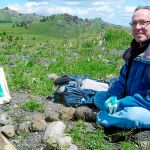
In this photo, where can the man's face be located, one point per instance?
(141, 25)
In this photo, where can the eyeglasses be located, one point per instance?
(141, 23)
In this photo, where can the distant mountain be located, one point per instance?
(10, 16)
(60, 25)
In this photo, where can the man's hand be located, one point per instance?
(111, 104)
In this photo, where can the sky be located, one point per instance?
(118, 12)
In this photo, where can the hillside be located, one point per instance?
(60, 25)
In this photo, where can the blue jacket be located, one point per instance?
(138, 84)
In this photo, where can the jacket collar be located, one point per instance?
(146, 53)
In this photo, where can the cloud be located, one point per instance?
(127, 12)
(15, 7)
(72, 3)
(31, 4)
(39, 0)
(30, 7)
(101, 3)
(103, 9)
(106, 2)
(129, 9)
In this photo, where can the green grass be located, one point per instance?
(87, 139)
(96, 139)
(128, 146)
(117, 38)
(29, 59)
(32, 105)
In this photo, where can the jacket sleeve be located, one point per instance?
(135, 100)
(117, 87)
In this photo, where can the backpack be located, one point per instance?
(70, 92)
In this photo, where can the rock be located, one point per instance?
(53, 76)
(53, 107)
(72, 147)
(54, 130)
(8, 130)
(143, 139)
(67, 113)
(52, 116)
(51, 144)
(89, 126)
(5, 119)
(38, 123)
(23, 127)
(5, 144)
(64, 142)
(61, 142)
(86, 113)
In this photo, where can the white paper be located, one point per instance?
(6, 98)
(94, 85)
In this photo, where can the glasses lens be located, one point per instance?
(140, 22)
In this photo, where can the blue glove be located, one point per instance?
(111, 104)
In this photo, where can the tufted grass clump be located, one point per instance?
(33, 105)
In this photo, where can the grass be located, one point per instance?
(128, 146)
(119, 40)
(87, 139)
(32, 105)
(96, 139)
(28, 61)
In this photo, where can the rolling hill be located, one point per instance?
(58, 25)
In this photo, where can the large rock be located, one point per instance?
(5, 144)
(54, 130)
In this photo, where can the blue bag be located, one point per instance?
(74, 96)
(69, 92)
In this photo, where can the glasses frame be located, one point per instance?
(141, 23)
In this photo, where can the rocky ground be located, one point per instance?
(28, 130)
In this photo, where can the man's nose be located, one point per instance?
(138, 26)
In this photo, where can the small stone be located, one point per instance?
(72, 147)
(38, 123)
(51, 116)
(23, 127)
(143, 139)
(5, 119)
(8, 130)
(53, 76)
(67, 113)
(86, 113)
(64, 142)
